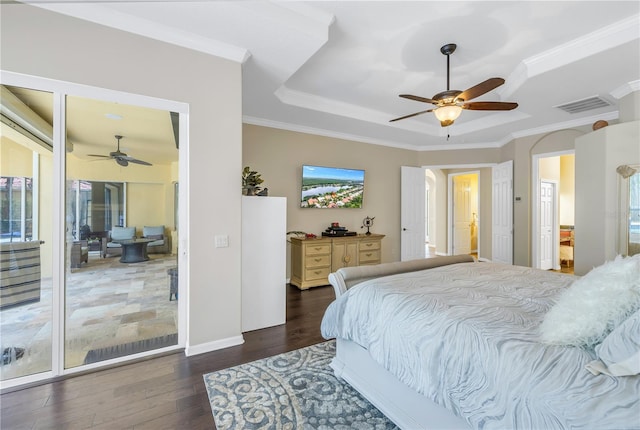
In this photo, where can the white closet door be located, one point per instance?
(412, 213)
(502, 213)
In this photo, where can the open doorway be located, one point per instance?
(464, 209)
(553, 202)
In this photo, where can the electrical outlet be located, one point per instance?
(221, 241)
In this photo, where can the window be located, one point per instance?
(16, 208)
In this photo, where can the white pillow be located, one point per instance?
(619, 352)
(594, 304)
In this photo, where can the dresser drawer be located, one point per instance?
(318, 261)
(316, 273)
(324, 248)
(369, 256)
(369, 246)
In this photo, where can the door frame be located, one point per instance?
(471, 166)
(450, 208)
(535, 206)
(61, 89)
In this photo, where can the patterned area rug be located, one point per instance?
(294, 390)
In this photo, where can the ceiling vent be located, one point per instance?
(584, 105)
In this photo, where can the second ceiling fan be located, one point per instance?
(450, 103)
(120, 157)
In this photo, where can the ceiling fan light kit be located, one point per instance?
(447, 114)
(450, 103)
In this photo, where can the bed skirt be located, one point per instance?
(404, 406)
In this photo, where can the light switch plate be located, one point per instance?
(222, 241)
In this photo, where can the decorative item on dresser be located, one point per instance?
(312, 260)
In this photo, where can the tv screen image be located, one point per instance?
(331, 187)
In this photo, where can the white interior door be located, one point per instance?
(461, 215)
(546, 224)
(412, 213)
(502, 213)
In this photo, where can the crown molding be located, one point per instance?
(578, 122)
(597, 41)
(625, 90)
(324, 104)
(122, 21)
(324, 132)
(356, 138)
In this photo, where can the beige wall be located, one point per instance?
(145, 206)
(567, 189)
(45, 44)
(549, 168)
(278, 155)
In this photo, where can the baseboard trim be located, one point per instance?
(213, 346)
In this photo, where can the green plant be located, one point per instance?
(250, 181)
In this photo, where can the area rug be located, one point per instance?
(294, 390)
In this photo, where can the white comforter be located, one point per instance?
(466, 336)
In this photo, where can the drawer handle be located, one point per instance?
(369, 254)
(317, 248)
(318, 259)
(317, 272)
(368, 244)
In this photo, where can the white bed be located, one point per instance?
(454, 344)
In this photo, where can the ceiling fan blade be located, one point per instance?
(409, 116)
(418, 99)
(101, 156)
(136, 161)
(480, 89)
(490, 106)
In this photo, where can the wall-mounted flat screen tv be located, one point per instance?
(331, 187)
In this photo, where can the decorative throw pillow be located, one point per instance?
(123, 233)
(155, 236)
(619, 352)
(594, 304)
(148, 231)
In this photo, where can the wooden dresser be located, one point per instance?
(313, 259)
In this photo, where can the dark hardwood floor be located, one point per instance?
(167, 392)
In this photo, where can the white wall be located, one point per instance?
(597, 209)
(45, 44)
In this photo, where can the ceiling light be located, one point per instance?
(447, 114)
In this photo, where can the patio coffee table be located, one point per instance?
(134, 250)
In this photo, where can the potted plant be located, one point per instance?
(250, 182)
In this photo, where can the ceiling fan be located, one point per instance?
(450, 103)
(120, 157)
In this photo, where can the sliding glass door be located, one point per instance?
(119, 214)
(26, 240)
(88, 228)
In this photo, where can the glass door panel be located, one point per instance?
(26, 232)
(121, 167)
